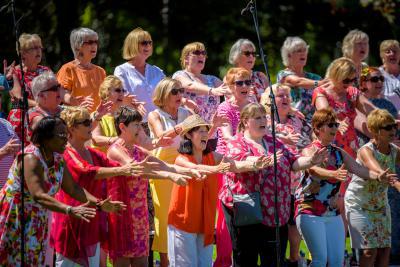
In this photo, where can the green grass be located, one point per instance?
(303, 248)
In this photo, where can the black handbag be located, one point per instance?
(247, 207)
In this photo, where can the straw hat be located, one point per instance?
(193, 121)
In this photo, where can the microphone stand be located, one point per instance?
(252, 7)
(24, 109)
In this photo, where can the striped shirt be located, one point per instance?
(6, 133)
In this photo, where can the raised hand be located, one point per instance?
(109, 205)
(85, 102)
(224, 166)
(270, 158)
(385, 176)
(11, 147)
(83, 212)
(343, 125)
(341, 174)
(293, 138)
(163, 141)
(221, 90)
(103, 108)
(319, 156)
(190, 104)
(8, 70)
(219, 120)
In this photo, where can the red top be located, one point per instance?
(192, 207)
(75, 238)
(29, 76)
(248, 182)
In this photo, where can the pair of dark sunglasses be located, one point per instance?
(175, 91)
(249, 53)
(91, 42)
(199, 52)
(348, 81)
(119, 90)
(241, 83)
(333, 124)
(389, 127)
(54, 88)
(86, 123)
(145, 43)
(376, 79)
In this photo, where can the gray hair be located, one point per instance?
(42, 82)
(78, 36)
(289, 46)
(350, 39)
(236, 49)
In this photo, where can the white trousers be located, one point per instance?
(94, 261)
(187, 249)
(324, 237)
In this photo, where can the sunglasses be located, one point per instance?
(199, 52)
(86, 123)
(376, 79)
(389, 127)
(119, 90)
(333, 124)
(175, 91)
(249, 53)
(348, 81)
(54, 88)
(91, 42)
(144, 43)
(241, 83)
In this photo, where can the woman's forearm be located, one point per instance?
(322, 173)
(302, 163)
(50, 203)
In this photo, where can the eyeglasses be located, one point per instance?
(175, 91)
(54, 88)
(241, 83)
(91, 42)
(86, 123)
(348, 81)
(376, 79)
(249, 53)
(144, 43)
(35, 48)
(199, 52)
(119, 90)
(61, 135)
(389, 127)
(333, 124)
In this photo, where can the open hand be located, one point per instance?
(319, 156)
(109, 205)
(179, 179)
(83, 212)
(341, 174)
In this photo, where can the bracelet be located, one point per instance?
(109, 141)
(68, 210)
(254, 166)
(175, 131)
(210, 90)
(98, 204)
(315, 83)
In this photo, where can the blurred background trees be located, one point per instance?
(217, 23)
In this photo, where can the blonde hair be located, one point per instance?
(265, 99)
(188, 49)
(73, 114)
(132, 41)
(110, 82)
(290, 45)
(388, 44)
(350, 39)
(27, 40)
(236, 72)
(163, 89)
(341, 69)
(379, 118)
(248, 112)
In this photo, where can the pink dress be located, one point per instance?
(129, 230)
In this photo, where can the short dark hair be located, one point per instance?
(126, 115)
(186, 146)
(44, 129)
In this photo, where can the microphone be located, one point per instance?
(247, 8)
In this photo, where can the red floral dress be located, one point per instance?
(14, 117)
(242, 183)
(129, 230)
(36, 216)
(316, 196)
(347, 141)
(73, 238)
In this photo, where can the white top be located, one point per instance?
(137, 84)
(391, 88)
(168, 123)
(6, 133)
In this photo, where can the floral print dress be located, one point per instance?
(36, 216)
(367, 207)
